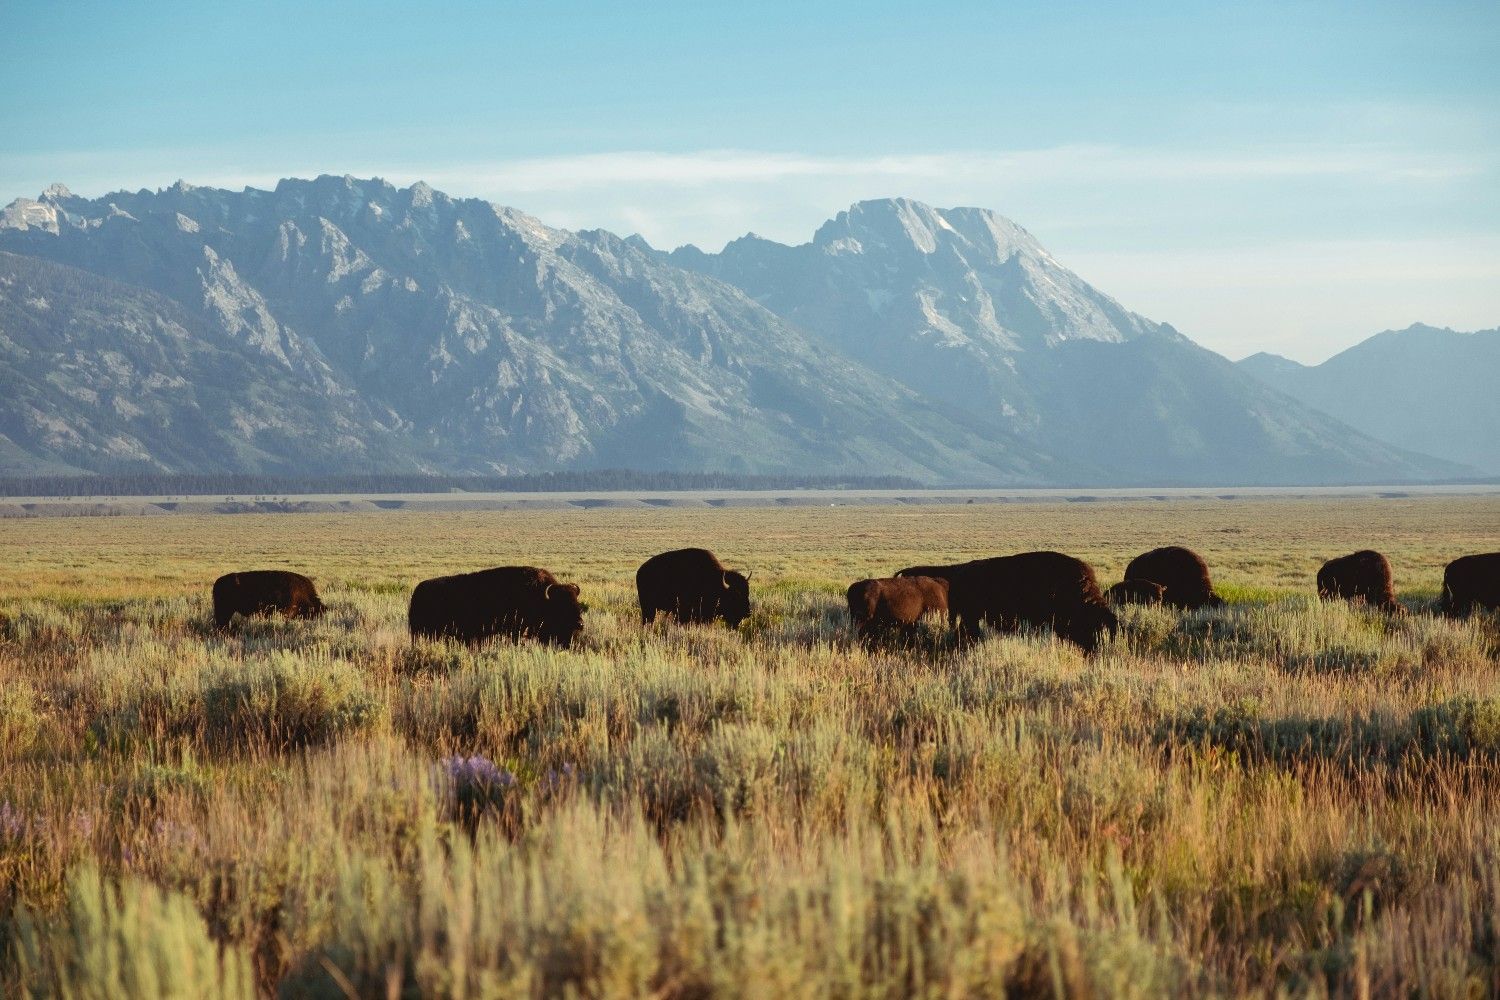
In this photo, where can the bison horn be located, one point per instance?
(726, 579)
(547, 594)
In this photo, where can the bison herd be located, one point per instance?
(1006, 592)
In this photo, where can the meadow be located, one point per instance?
(1276, 798)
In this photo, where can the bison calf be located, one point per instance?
(263, 592)
(1181, 571)
(517, 602)
(1136, 592)
(1471, 582)
(895, 604)
(1031, 588)
(692, 585)
(1362, 577)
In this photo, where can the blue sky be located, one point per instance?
(1290, 177)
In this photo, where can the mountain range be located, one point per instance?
(339, 324)
(1426, 389)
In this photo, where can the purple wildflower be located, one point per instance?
(179, 836)
(555, 779)
(477, 772)
(477, 785)
(13, 823)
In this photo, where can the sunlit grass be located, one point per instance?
(1280, 797)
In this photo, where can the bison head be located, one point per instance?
(734, 602)
(1092, 622)
(562, 618)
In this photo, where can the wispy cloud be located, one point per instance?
(709, 167)
(1069, 162)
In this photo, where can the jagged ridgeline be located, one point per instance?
(339, 325)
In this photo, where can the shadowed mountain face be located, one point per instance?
(966, 305)
(1426, 389)
(487, 341)
(344, 324)
(102, 376)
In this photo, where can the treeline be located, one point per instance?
(250, 485)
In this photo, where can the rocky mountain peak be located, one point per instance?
(455, 334)
(896, 226)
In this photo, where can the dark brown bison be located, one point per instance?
(1136, 592)
(263, 592)
(896, 604)
(1181, 571)
(1360, 577)
(1032, 588)
(517, 602)
(1471, 582)
(692, 585)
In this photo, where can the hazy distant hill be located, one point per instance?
(339, 324)
(1422, 388)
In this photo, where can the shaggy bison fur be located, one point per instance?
(1032, 588)
(1181, 571)
(263, 592)
(896, 604)
(692, 585)
(517, 602)
(1362, 577)
(1136, 592)
(1471, 582)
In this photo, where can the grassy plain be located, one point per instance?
(1279, 798)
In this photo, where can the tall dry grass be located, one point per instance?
(1278, 798)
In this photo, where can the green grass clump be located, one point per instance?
(1464, 726)
(125, 940)
(288, 702)
(19, 722)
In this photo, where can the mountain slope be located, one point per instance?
(105, 377)
(339, 323)
(966, 305)
(497, 343)
(1427, 389)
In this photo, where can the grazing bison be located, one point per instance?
(1136, 592)
(1360, 577)
(877, 607)
(1181, 571)
(263, 591)
(1032, 588)
(517, 602)
(1471, 582)
(692, 585)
